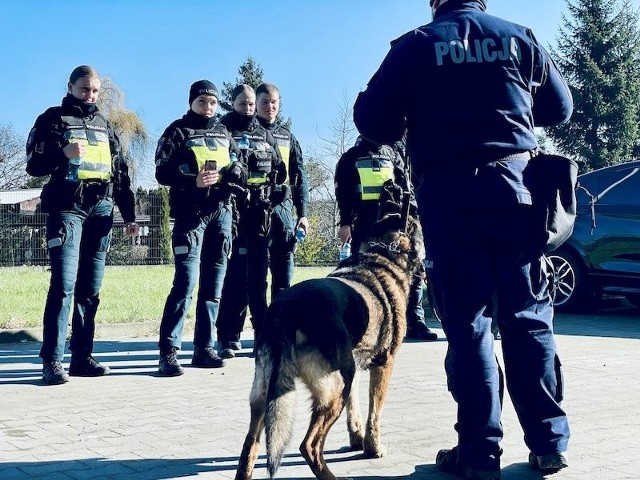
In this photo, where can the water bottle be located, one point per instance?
(345, 251)
(300, 234)
(72, 171)
(244, 143)
(233, 157)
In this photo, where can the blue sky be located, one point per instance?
(316, 51)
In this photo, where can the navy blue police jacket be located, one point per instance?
(469, 88)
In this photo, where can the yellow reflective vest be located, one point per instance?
(373, 171)
(208, 145)
(96, 164)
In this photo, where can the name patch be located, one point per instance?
(477, 50)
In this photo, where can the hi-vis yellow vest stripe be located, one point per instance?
(210, 148)
(284, 147)
(96, 163)
(373, 174)
(257, 178)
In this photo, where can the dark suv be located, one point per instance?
(603, 254)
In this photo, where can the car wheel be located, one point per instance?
(571, 288)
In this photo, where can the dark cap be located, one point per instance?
(202, 87)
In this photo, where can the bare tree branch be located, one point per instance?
(12, 159)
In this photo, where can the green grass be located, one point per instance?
(129, 294)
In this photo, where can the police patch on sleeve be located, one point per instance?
(161, 143)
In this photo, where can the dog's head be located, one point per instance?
(398, 236)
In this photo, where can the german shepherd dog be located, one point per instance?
(321, 331)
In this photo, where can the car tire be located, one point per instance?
(572, 291)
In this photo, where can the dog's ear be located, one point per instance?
(391, 198)
(389, 223)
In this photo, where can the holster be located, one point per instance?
(89, 193)
(280, 193)
(259, 211)
(552, 181)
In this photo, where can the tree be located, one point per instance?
(12, 159)
(250, 73)
(129, 128)
(599, 53)
(342, 136)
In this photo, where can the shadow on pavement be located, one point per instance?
(615, 318)
(20, 363)
(164, 469)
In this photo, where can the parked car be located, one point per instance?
(603, 253)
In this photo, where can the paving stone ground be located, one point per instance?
(134, 424)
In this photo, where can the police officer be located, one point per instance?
(470, 88)
(76, 146)
(195, 157)
(360, 175)
(296, 193)
(246, 283)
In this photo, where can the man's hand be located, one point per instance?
(304, 224)
(344, 234)
(206, 178)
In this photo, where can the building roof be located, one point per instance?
(11, 197)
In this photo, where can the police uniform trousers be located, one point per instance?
(78, 240)
(472, 255)
(254, 254)
(201, 249)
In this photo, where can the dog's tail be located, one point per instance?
(280, 403)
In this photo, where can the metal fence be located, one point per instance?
(23, 232)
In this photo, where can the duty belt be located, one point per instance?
(93, 191)
(472, 166)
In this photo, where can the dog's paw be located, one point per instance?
(356, 442)
(375, 452)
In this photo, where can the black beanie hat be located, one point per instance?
(202, 87)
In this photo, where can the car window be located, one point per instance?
(620, 187)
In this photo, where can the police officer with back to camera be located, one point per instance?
(284, 227)
(246, 283)
(199, 160)
(470, 87)
(361, 173)
(76, 146)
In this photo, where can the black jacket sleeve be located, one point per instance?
(346, 180)
(44, 147)
(553, 103)
(171, 163)
(298, 178)
(123, 196)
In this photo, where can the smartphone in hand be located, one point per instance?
(211, 165)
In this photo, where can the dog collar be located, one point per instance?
(392, 247)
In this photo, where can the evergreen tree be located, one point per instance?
(598, 51)
(249, 73)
